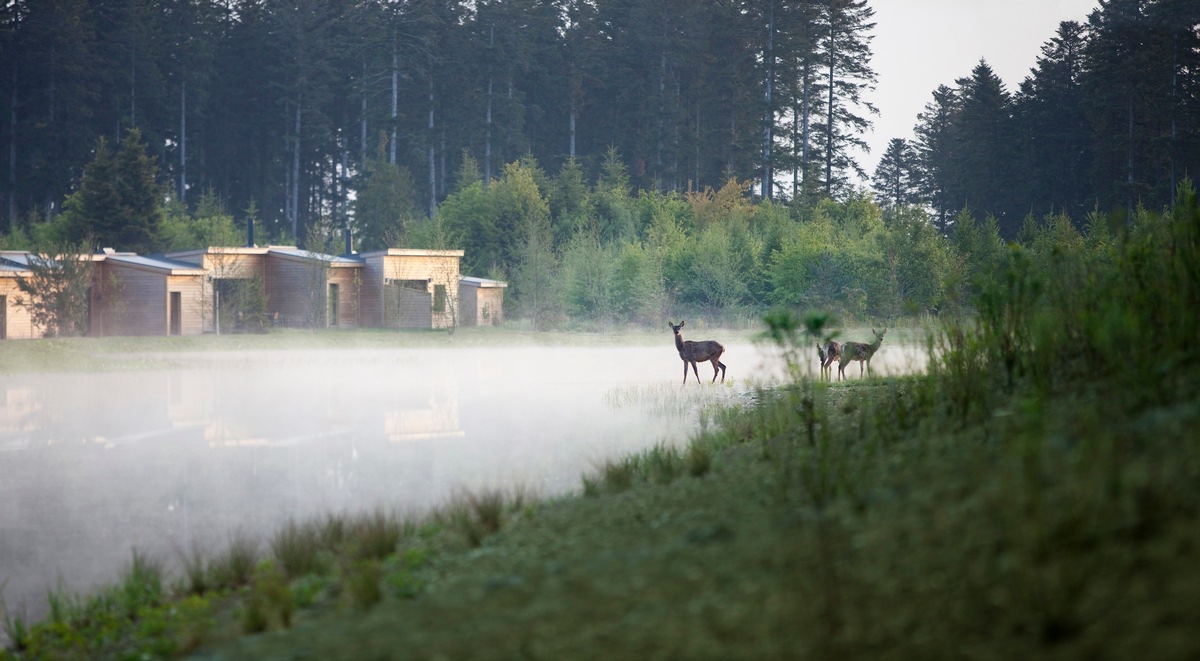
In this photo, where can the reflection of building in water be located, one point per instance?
(438, 420)
(17, 418)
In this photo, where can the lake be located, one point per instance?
(93, 465)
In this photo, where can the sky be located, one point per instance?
(920, 44)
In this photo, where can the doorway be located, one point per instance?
(333, 305)
(176, 313)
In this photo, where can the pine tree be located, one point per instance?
(137, 225)
(846, 50)
(897, 178)
(386, 203)
(934, 146)
(1052, 125)
(983, 156)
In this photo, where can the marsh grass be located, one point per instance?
(196, 578)
(478, 514)
(671, 400)
(297, 548)
(374, 535)
(16, 631)
(235, 567)
(141, 583)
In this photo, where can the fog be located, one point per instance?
(93, 465)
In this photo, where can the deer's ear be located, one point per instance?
(681, 323)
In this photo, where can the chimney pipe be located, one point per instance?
(349, 241)
(249, 231)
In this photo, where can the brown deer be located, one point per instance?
(860, 352)
(828, 353)
(693, 352)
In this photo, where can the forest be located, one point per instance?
(609, 157)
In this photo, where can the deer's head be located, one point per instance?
(675, 328)
(879, 334)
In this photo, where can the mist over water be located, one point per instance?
(93, 465)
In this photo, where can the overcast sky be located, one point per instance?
(920, 44)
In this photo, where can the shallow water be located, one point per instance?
(93, 465)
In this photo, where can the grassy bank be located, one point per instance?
(1034, 494)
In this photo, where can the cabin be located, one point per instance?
(145, 295)
(15, 320)
(410, 288)
(238, 289)
(481, 301)
(252, 287)
(313, 290)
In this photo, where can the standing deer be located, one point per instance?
(693, 352)
(828, 353)
(860, 352)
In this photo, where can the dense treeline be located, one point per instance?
(294, 107)
(1108, 119)
(607, 157)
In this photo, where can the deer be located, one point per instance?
(693, 352)
(860, 352)
(828, 353)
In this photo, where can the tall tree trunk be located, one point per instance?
(1174, 101)
(132, 88)
(295, 194)
(697, 171)
(768, 174)
(395, 101)
(662, 111)
(12, 153)
(829, 118)
(805, 121)
(362, 120)
(1129, 166)
(795, 148)
(487, 146)
(432, 159)
(183, 140)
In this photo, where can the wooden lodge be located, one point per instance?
(239, 289)
(481, 302)
(129, 295)
(138, 295)
(15, 321)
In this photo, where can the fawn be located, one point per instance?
(692, 352)
(860, 352)
(828, 353)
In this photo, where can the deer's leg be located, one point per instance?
(695, 370)
(722, 366)
(685, 371)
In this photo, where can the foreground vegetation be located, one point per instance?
(1034, 494)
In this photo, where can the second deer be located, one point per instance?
(860, 352)
(694, 352)
(828, 352)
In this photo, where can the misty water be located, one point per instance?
(93, 465)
